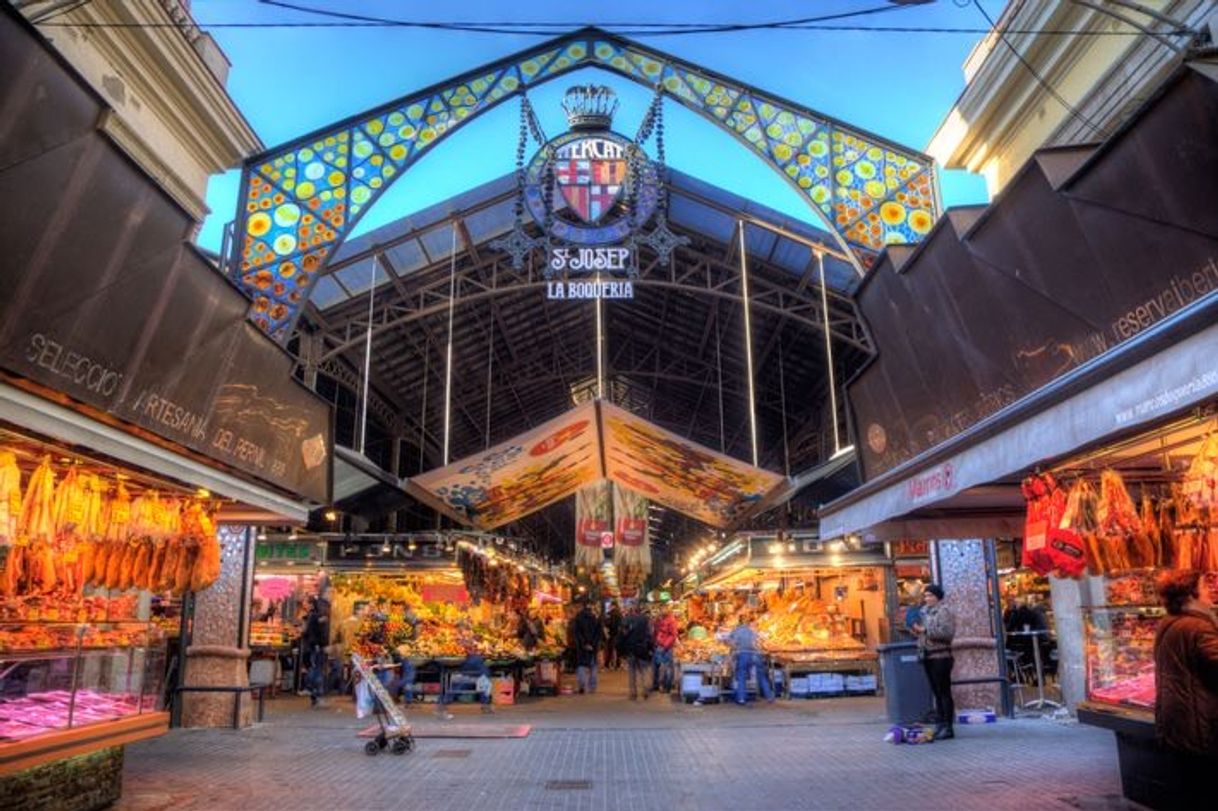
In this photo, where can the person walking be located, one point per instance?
(613, 630)
(746, 648)
(588, 635)
(665, 640)
(935, 629)
(316, 638)
(634, 644)
(1186, 681)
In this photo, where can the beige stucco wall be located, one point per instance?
(165, 85)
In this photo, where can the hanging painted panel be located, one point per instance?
(683, 475)
(518, 477)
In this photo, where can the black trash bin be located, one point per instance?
(907, 696)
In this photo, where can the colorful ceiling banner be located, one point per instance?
(554, 460)
(632, 548)
(593, 523)
(682, 475)
(517, 477)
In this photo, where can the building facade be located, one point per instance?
(1029, 85)
(164, 85)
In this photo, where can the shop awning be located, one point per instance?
(107, 308)
(968, 486)
(259, 504)
(590, 443)
(1086, 249)
(1079, 306)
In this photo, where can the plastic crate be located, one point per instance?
(691, 683)
(503, 691)
(822, 683)
(860, 684)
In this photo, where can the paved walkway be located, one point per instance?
(604, 752)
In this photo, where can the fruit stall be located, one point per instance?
(434, 610)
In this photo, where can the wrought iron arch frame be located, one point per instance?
(299, 200)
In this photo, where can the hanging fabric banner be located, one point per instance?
(632, 552)
(518, 477)
(593, 521)
(682, 475)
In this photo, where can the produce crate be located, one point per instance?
(691, 683)
(503, 691)
(800, 686)
(826, 683)
(861, 684)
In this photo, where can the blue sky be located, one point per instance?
(289, 81)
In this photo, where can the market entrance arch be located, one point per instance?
(300, 200)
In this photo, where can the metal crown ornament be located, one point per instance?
(590, 107)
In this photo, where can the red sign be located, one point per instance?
(606, 540)
(940, 481)
(558, 437)
(907, 548)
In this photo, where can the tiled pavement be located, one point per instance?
(807, 754)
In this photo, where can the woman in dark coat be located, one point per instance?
(1186, 672)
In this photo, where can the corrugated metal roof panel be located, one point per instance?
(327, 293)
(357, 278)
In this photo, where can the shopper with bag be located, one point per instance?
(634, 644)
(936, 629)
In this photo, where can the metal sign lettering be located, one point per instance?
(589, 190)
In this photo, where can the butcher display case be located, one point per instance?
(56, 677)
(1120, 654)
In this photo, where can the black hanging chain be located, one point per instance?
(530, 114)
(520, 148)
(662, 190)
(547, 196)
(517, 243)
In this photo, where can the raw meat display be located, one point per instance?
(1120, 653)
(1138, 691)
(36, 713)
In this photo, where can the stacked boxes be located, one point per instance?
(826, 683)
(861, 684)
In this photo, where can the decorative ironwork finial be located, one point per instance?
(590, 107)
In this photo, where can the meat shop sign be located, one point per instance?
(588, 190)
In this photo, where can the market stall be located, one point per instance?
(96, 556)
(821, 610)
(444, 598)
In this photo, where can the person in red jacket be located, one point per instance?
(666, 640)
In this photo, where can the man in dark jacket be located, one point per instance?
(613, 628)
(588, 635)
(1186, 680)
(936, 630)
(315, 639)
(634, 643)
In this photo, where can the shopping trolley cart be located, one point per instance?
(391, 729)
